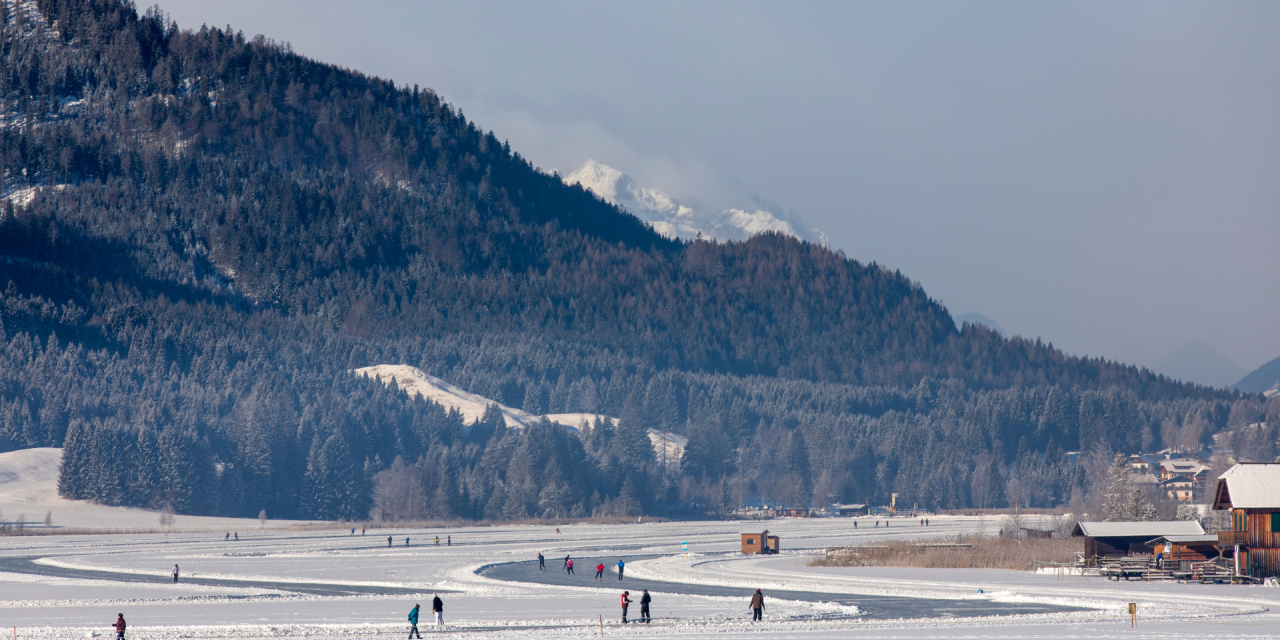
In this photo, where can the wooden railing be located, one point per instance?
(1232, 537)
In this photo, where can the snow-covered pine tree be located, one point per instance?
(1115, 504)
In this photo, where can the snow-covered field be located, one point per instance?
(332, 584)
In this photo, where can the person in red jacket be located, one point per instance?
(625, 602)
(600, 572)
(120, 626)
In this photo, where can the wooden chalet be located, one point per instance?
(851, 509)
(1112, 539)
(1185, 550)
(1251, 493)
(762, 543)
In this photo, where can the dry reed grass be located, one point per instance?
(954, 552)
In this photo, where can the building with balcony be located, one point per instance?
(1251, 493)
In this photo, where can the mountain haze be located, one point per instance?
(203, 234)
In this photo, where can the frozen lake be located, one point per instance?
(275, 583)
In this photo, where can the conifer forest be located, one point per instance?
(203, 234)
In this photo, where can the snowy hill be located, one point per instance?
(29, 489)
(415, 381)
(675, 220)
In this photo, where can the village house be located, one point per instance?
(1250, 492)
(1179, 488)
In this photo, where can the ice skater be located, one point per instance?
(621, 565)
(406, 541)
(437, 607)
(175, 573)
(569, 567)
(542, 562)
(226, 537)
(388, 541)
(645, 599)
(413, 622)
(448, 541)
(566, 562)
(600, 572)
(757, 606)
(236, 535)
(120, 626)
(626, 602)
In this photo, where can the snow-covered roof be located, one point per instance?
(1139, 529)
(1249, 486)
(1208, 537)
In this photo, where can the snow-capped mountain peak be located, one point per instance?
(674, 220)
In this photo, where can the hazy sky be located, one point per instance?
(1105, 176)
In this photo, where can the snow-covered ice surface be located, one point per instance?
(274, 581)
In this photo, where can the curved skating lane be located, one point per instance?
(874, 607)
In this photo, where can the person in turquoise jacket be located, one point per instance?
(413, 622)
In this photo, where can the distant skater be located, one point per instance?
(437, 607)
(855, 524)
(236, 535)
(542, 562)
(388, 541)
(569, 567)
(353, 532)
(757, 606)
(437, 541)
(413, 622)
(566, 562)
(621, 565)
(175, 573)
(557, 530)
(120, 626)
(645, 599)
(600, 572)
(448, 541)
(406, 541)
(361, 532)
(626, 602)
(226, 537)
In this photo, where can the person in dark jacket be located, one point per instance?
(120, 626)
(388, 541)
(413, 622)
(626, 602)
(542, 562)
(645, 599)
(437, 607)
(757, 606)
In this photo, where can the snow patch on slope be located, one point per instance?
(416, 382)
(674, 220)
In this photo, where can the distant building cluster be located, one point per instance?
(1178, 476)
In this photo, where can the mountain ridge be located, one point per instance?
(237, 227)
(674, 220)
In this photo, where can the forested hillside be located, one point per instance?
(202, 234)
